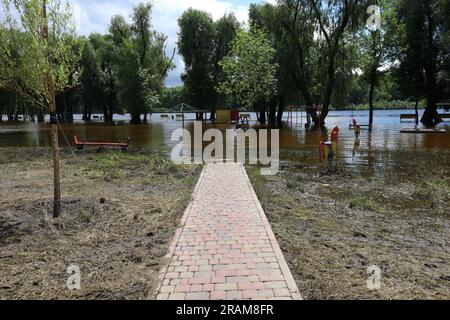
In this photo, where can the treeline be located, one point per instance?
(333, 53)
(122, 71)
(296, 52)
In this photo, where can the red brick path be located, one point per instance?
(225, 248)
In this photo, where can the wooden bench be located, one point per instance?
(406, 117)
(165, 117)
(445, 117)
(81, 144)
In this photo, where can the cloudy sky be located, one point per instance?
(94, 16)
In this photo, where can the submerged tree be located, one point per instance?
(38, 59)
(142, 64)
(250, 69)
(375, 41)
(203, 43)
(334, 19)
(423, 50)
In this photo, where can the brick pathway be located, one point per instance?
(225, 248)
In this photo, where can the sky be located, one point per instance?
(94, 16)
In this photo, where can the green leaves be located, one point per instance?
(250, 70)
(39, 51)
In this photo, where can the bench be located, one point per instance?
(165, 117)
(81, 144)
(406, 117)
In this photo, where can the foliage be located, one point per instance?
(250, 71)
(203, 43)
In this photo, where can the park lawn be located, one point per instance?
(332, 226)
(119, 213)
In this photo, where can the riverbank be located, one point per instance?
(332, 227)
(119, 212)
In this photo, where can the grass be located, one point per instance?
(332, 225)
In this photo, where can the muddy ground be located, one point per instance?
(333, 225)
(119, 213)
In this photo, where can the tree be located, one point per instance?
(333, 19)
(423, 50)
(203, 43)
(195, 45)
(290, 30)
(250, 69)
(142, 64)
(374, 44)
(106, 59)
(39, 60)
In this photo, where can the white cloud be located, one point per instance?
(95, 15)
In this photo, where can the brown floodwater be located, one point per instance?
(296, 142)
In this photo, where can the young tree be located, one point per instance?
(250, 69)
(39, 60)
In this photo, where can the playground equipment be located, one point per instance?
(81, 144)
(223, 116)
(328, 150)
(227, 116)
(356, 127)
(355, 123)
(299, 110)
(244, 122)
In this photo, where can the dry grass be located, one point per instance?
(120, 211)
(332, 226)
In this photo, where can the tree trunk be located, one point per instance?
(145, 117)
(273, 111)
(135, 118)
(55, 154)
(371, 97)
(431, 116)
(280, 110)
(417, 111)
(329, 86)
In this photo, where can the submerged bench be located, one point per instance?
(81, 144)
(405, 117)
(423, 131)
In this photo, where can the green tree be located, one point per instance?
(374, 44)
(290, 32)
(334, 18)
(142, 64)
(195, 44)
(203, 43)
(421, 56)
(250, 69)
(39, 61)
(106, 59)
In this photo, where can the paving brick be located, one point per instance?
(197, 296)
(218, 295)
(234, 295)
(226, 249)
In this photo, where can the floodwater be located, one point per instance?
(296, 142)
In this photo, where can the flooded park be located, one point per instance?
(224, 150)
